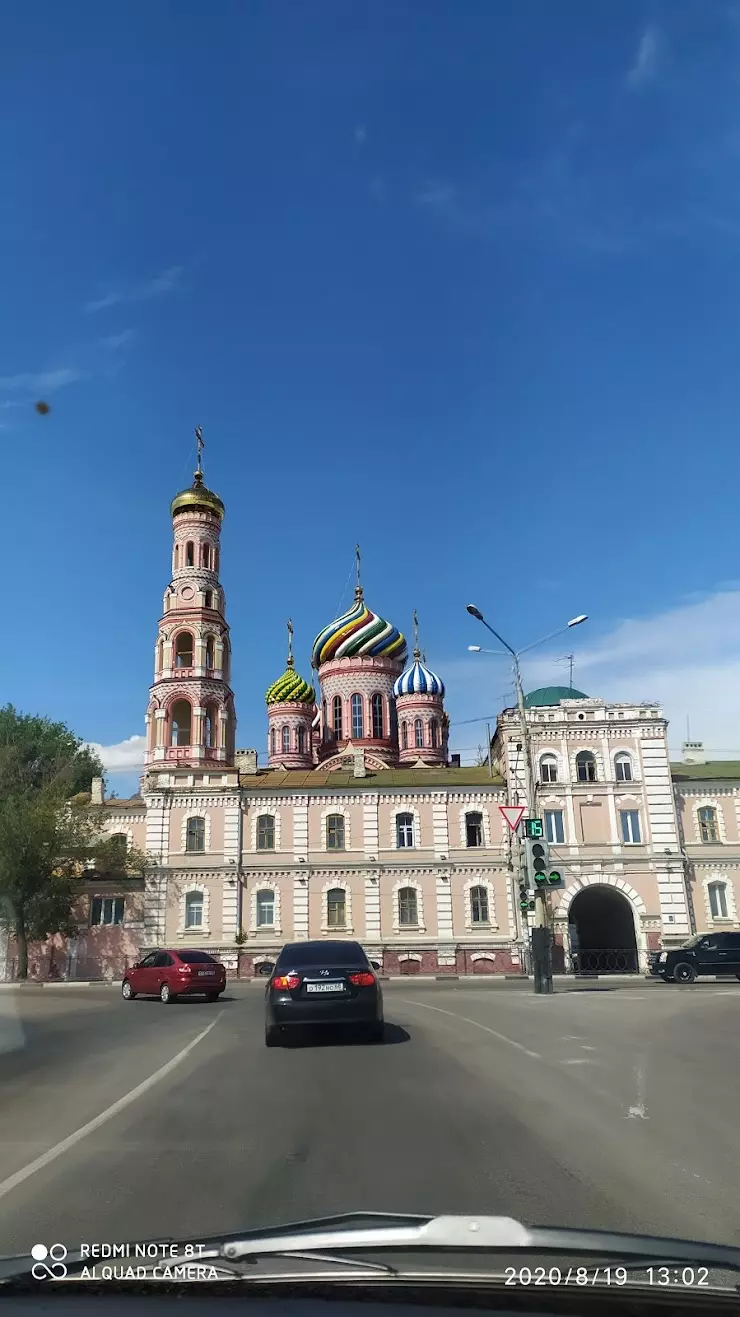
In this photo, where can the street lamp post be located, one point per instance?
(541, 944)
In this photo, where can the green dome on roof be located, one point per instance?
(552, 695)
(290, 688)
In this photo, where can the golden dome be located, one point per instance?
(198, 496)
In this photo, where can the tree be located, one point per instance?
(41, 752)
(49, 834)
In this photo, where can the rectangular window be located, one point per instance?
(718, 900)
(265, 832)
(474, 829)
(335, 832)
(336, 908)
(554, 829)
(106, 910)
(630, 819)
(479, 905)
(194, 910)
(265, 909)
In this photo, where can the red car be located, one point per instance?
(172, 974)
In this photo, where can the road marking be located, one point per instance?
(12, 1182)
(501, 1036)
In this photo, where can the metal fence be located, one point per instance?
(606, 960)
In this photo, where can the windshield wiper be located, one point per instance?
(330, 1241)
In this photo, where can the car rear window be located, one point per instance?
(196, 958)
(322, 953)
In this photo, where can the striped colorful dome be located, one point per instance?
(418, 680)
(290, 688)
(358, 632)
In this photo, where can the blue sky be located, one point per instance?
(461, 282)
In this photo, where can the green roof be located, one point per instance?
(724, 768)
(299, 779)
(549, 695)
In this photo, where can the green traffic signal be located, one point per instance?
(555, 877)
(533, 828)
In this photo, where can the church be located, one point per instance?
(356, 822)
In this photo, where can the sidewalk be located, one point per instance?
(480, 980)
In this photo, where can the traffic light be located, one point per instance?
(523, 896)
(533, 828)
(541, 876)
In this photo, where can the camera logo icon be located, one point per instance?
(48, 1263)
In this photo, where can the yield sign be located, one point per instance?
(512, 815)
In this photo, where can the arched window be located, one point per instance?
(708, 829)
(404, 831)
(266, 908)
(376, 705)
(548, 768)
(418, 734)
(301, 740)
(336, 717)
(210, 652)
(585, 766)
(408, 911)
(184, 650)
(623, 767)
(479, 905)
(210, 723)
(272, 740)
(181, 722)
(208, 599)
(177, 556)
(194, 910)
(226, 661)
(205, 553)
(286, 740)
(189, 554)
(357, 718)
(195, 835)
(215, 559)
(474, 829)
(336, 908)
(160, 656)
(324, 722)
(434, 733)
(335, 832)
(118, 850)
(405, 736)
(718, 900)
(266, 832)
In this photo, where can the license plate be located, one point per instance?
(324, 987)
(206, 973)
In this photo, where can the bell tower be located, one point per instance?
(191, 722)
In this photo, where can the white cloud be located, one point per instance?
(168, 281)
(686, 658)
(116, 341)
(647, 58)
(123, 757)
(44, 381)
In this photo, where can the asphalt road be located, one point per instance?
(605, 1106)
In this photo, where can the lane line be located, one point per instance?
(12, 1182)
(454, 1016)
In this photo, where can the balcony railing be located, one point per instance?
(184, 752)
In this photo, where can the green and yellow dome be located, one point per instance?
(290, 688)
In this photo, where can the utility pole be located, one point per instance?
(541, 934)
(541, 939)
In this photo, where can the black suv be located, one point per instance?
(704, 953)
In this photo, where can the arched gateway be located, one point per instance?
(603, 933)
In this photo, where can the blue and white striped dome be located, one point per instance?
(418, 680)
